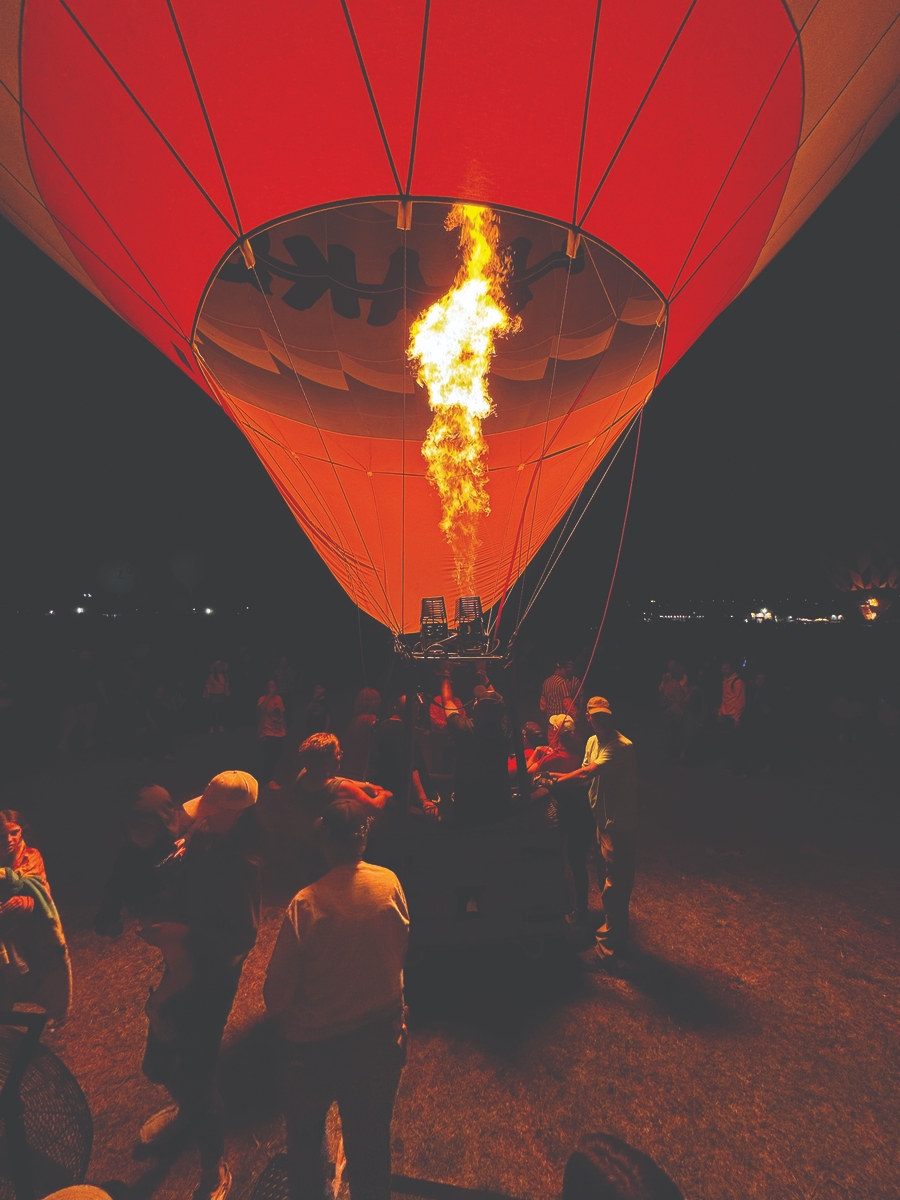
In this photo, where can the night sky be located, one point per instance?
(771, 445)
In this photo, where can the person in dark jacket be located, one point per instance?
(140, 868)
(217, 908)
(481, 791)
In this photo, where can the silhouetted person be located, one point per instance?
(271, 728)
(218, 904)
(334, 991)
(730, 714)
(573, 810)
(358, 740)
(143, 867)
(83, 693)
(316, 712)
(216, 691)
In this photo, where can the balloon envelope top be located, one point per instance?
(262, 193)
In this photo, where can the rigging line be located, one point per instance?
(348, 557)
(637, 443)
(584, 120)
(794, 45)
(551, 559)
(521, 527)
(774, 229)
(540, 464)
(190, 174)
(415, 132)
(209, 128)
(365, 75)
(557, 554)
(26, 115)
(621, 403)
(640, 107)
(325, 449)
(62, 225)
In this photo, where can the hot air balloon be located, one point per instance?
(263, 191)
(870, 581)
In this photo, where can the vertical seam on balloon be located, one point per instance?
(156, 129)
(631, 383)
(734, 161)
(540, 463)
(365, 75)
(209, 128)
(51, 249)
(856, 136)
(773, 228)
(554, 558)
(348, 557)
(640, 108)
(334, 338)
(584, 119)
(337, 477)
(96, 209)
(419, 86)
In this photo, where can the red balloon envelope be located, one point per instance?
(229, 178)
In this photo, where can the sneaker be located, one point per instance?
(214, 1184)
(162, 1127)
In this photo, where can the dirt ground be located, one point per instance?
(752, 1050)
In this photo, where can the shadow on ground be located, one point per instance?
(499, 992)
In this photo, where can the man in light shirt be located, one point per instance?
(610, 770)
(334, 991)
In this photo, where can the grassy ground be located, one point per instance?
(753, 1050)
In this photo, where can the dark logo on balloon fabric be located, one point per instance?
(312, 274)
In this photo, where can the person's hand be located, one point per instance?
(17, 904)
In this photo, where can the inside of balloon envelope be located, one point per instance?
(304, 337)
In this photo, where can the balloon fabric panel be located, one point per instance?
(160, 136)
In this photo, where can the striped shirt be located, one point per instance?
(558, 695)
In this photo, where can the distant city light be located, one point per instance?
(208, 611)
(79, 610)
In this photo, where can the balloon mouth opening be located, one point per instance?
(309, 319)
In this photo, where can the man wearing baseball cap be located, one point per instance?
(609, 767)
(334, 991)
(212, 928)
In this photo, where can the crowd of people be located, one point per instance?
(327, 818)
(192, 876)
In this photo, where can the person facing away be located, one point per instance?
(83, 693)
(609, 768)
(334, 993)
(34, 960)
(216, 918)
(292, 853)
(358, 741)
(481, 785)
(559, 692)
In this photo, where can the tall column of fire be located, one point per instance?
(453, 345)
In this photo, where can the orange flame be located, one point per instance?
(453, 344)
